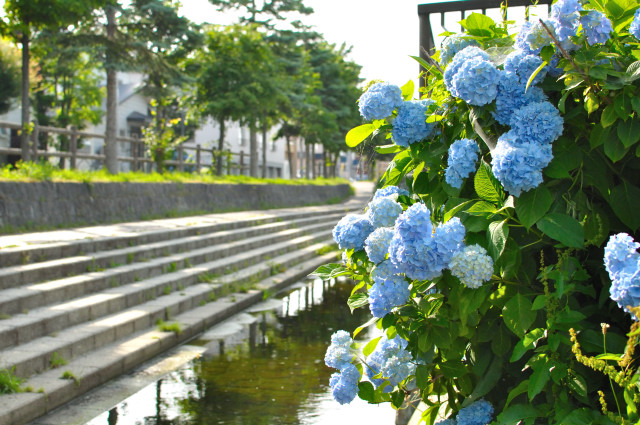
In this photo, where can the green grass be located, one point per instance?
(56, 360)
(9, 383)
(46, 171)
(169, 327)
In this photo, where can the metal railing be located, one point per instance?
(138, 156)
(425, 11)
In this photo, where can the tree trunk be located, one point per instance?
(24, 136)
(290, 158)
(253, 151)
(110, 143)
(220, 148)
(324, 164)
(307, 161)
(264, 151)
(313, 161)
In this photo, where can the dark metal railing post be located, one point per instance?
(73, 147)
(198, 154)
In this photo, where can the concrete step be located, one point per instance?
(47, 246)
(25, 298)
(19, 275)
(53, 318)
(49, 389)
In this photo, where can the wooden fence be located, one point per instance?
(233, 162)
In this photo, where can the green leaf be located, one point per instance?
(366, 391)
(359, 299)
(478, 25)
(562, 228)
(397, 398)
(393, 148)
(608, 116)
(629, 132)
(487, 381)
(583, 416)
(430, 415)
(531, 206)
(330, 271)
(516, 414)
(482, 209)
(534, 73)
(371, 345)
(501, 342)
(487, 186)
(408, 89)
(453, 211)
(360, 328)
(521, 388)
(356, 135)
(518, 315)
(614, 148)
(622, 106)
(452, 368)
(538, 378)
(633, 71)
(527, 343)
(624, 200)
(577, 384)
(497, 233)
(609, 356)
(598, 136)
(422, 376)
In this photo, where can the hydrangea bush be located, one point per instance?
(498, 256)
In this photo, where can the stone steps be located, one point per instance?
(89, 310)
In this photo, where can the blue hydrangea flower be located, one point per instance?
(538, 122)
(463, 155)
(622, 261)
(351, 231)
(473, 266)
(476, 82)
(620, 251)
(344, 385)
(385, 352)
(393, 191)
(386, 294)
(518, 165)
(512, 96)
(523, 64)
(565, 18)
(377, 244)
(478, 413)
(460, 58)
(418, 251)
(536, 36)
(410, 125)
(634, 29)
(383, 212)
(339, 354)
(452, 45)
(596, 26)
(384, 271)
(379, 101)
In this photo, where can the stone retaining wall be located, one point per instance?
(48, 204)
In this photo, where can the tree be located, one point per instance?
(27, 17)
(68, 91)
(263, 12)
(231, 79)
(9, 75)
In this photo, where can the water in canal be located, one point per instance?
(272, 372)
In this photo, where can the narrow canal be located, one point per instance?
(266, 367)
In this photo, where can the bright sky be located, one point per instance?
(383, 33)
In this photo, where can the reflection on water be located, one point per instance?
(271, 372)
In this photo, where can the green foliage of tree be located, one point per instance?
(263, 13)
(9, 75)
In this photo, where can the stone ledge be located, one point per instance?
(55, 204)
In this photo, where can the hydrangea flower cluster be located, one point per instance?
(410, 125)
(522, 64)
(384, 270)
(344, 384)
(383, 212)
(473, 79)
(478, 413)
(537, 122)
(393, 191)
(518, 165)
(452, 45)
(565, 17)
(597, 27)
(512, 96)
(622, 262)
(387, 293)
(379, 101)
(533, 36)
(391, 360)
(351, 231)
(634, 29)
(472, 265)
(377, 244)
(417, 250)
(463, 155)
